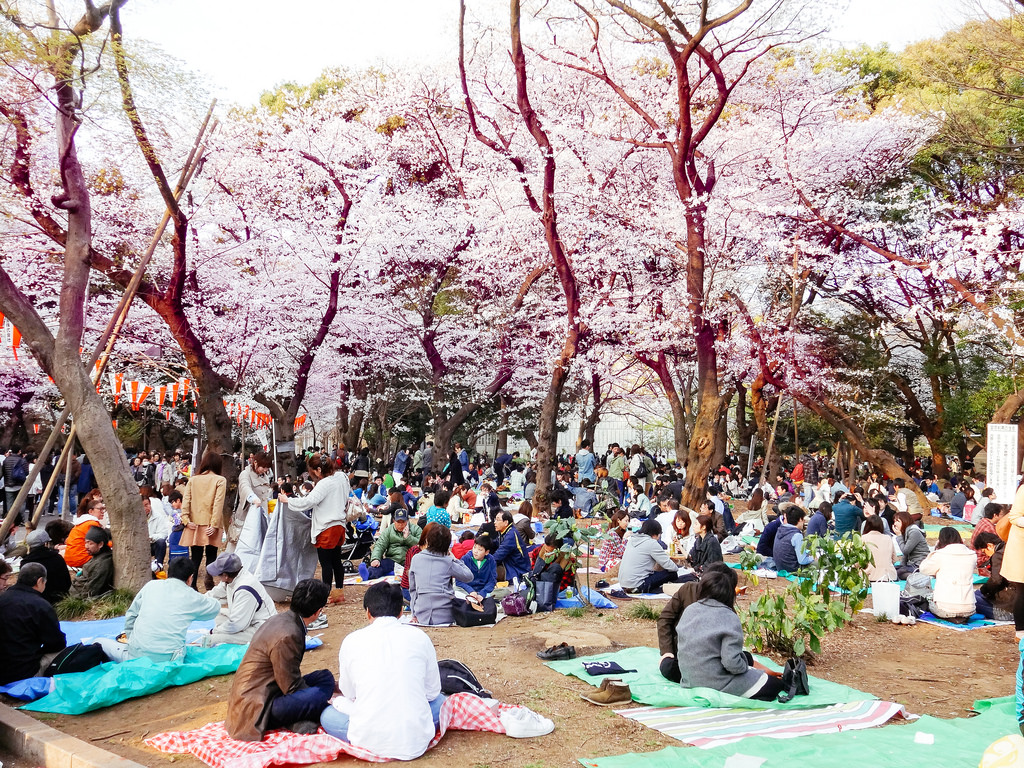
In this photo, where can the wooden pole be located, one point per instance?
(106, 342)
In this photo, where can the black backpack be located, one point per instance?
(456, 677)
(76, 658)
(794, 680)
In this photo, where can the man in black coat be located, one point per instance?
(58, 577)
(30, 635)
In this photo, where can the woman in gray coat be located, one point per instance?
(710, 644)
(430, 578)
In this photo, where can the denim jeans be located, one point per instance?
(306, 704)
(386, 568)
(336, 723)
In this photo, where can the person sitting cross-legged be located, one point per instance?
(97, 575)
(391, 546)
(645, 564)
(788, 551)
(30, 634)
(246, 604)
(157, 622)
(269, 690)
(387, 673)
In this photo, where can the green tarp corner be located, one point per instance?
(110, 683)
(928, 741)
(649, 687)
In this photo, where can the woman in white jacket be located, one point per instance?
(953, 566)
(329, 502)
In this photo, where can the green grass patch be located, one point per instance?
(642, 610)
(576, 612)
(115, 603)
(72, 608)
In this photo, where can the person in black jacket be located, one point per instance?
(30, 635)
(58, 578)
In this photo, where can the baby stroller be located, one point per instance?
(358, 541)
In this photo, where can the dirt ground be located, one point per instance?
(932, 670)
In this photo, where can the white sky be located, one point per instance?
(246, 47)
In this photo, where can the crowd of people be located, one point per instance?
(460, 531)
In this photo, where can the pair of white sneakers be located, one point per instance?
(901, 619)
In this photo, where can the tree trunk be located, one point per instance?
(501, 443)
(663, 370)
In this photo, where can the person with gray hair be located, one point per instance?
(58, 578)
(30, 636)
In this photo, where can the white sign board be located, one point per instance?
(1001, 471)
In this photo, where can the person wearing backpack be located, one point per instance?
(15, 472)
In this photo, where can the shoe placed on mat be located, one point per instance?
(614, 693)
(558, 652)
(305, 727)
(522, 723)
(602, 584)
(319, 623)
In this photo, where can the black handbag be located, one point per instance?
(794, 680)
(466, 615)
(547, 595)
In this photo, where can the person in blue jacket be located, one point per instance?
(481, 562)
(511, 558)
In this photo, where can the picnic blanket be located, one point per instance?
(111, 683)
(703, 727)
(89, 631)
(616, 587)
(357, 580)
(977, 621)
(212, 745)
(649, 687)
(928, 741)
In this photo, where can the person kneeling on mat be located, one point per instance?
(246, 605)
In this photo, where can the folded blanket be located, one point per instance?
(212, 745)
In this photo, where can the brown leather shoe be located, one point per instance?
(614, 693)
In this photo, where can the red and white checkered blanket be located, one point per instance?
(212, 745)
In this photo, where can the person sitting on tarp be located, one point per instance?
(710, 644)
(30, 635)
(788, 551)
(645, 564)
(668, 621)
(246, 605)
(391, 546)
(156, 624)
(97, 575)
(269, 689)
(480, 561)
(511, 557)
(997, 596)
(390, 684)
(58, 579)
(953, 565)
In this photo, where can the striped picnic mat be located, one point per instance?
(702, 727)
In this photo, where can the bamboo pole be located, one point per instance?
(106, 342)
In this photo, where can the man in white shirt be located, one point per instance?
(246, 602)
(387, 675)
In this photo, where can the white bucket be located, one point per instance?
(885, 598)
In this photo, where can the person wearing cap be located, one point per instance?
(58, 578)
(156, 624)
(245, 603)
(392, 545)
(97, 576)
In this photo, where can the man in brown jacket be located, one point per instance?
(269, 690)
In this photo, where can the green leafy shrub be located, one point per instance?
(794, 620)
(72, 607)
(574, 553)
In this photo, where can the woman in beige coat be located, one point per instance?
(202, 512)
(1013, 558)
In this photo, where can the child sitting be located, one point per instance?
(481, 563)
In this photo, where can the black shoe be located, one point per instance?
(305, 727)
(602, 584)
(557, 653)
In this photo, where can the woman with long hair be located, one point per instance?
(202, 513)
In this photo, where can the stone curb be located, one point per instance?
(31, 739)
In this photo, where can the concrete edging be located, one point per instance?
(31, 739)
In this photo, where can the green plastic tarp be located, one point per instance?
(111, 683)
(928, 741)
(649, 687)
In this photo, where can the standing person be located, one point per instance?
(417, 465)
(269, 689)
(253, 494)
(402, 685)
(428, 457)
(15, 471)
(1012, 567)
(617, 469)
(202, 513)
(361, 464)
(329, 502)
(454, 469)
(401, 463)
(586, 463)
(159, 525)
(463, 458)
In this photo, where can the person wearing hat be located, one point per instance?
(58, 578)
(391, 546)
(245, 603)
(156, 624)
(97, 576)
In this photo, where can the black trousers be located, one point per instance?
(331, 564)
(196, 555)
